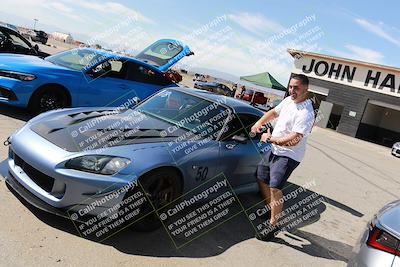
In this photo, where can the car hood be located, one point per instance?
(389, 217)
(85, 131)
(164, 53)
(25, 63)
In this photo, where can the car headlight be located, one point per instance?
(17, 75)
(107, 165)
(397, 145)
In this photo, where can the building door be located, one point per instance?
(334, 118)
(380, 123)
(324, 112)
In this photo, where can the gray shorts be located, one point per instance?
(275, 170)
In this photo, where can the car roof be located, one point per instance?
(207, 83)
(239, 106)
(7, 28)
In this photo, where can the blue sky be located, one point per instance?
(229, 36)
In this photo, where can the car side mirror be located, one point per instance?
(240, 139)
(36, 47)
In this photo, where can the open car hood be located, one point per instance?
(164, 53)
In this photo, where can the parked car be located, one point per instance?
(214, 87)
(13, 42)
(259, 97)
(379, 244)
(28, 34)
(40, 37)
(155, 151)
(86, 77)
(396, 149)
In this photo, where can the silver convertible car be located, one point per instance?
(172, 142)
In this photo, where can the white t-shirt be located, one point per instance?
(297, 118)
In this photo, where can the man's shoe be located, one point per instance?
(268, 234)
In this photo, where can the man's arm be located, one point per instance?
(267, 117)
(290, 139)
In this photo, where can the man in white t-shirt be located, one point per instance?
(295, 118)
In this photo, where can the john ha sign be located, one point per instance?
(380, 80)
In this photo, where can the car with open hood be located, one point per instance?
(171, 143)
(87, 77)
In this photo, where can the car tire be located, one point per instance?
(161, 187)
(48, 98)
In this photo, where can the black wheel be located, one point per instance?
(161, 187)
(48, 98)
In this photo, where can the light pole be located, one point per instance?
(34, 25)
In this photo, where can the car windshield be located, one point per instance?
(187, 111)
(78, 59)
(15, 39)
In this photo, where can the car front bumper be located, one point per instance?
(15, 92)
(31, 198)
(396, 152)
(35, 169)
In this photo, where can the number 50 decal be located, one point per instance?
(201, 174)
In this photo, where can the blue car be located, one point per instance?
(87, 77)
(176, 140)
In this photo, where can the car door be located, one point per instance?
(239, 160)
(164, 53)
(106, 85)
(144, 81)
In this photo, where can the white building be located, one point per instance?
(356, 98)
(62, 37)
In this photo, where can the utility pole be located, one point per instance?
(34, 25)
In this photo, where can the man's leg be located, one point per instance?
(265, 191)
(271, 197)
(281, 169)
(276, 205)
(263, 177)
